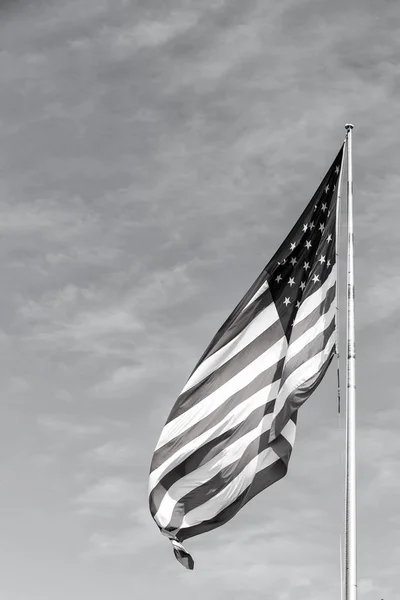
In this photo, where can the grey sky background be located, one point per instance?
(153, 157)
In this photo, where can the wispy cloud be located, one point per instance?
(114, 454)
(56, 425)
(110, 493)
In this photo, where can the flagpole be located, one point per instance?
(350, 493)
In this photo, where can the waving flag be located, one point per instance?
(231, 432)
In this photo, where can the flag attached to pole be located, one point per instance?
(231, 431)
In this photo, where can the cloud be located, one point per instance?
(111, 493)
(131, 541)
(114, 454)
(56, 425)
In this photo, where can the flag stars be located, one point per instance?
(322, 227)
(278, 279)
(293, 261)
(298, 304)
(303, 285)
(291, 281)
(327, 188)
(286, 301)
(321, 259)
(329, 238)
(292, 246)
(311, 225)
(308, 244)
(315, 278)
(306, 266)
(324, 207)
(305, 227)
(328, 263)
(337, 170)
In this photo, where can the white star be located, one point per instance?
(315, 278)
(278, 279)
(284, 261)
(315, 207)
(286, 301)
(337, 170)
(306, 266)
(308, 244)
(329, 238)
(305, 227)
(293, 261)
(311, 225)
(327, 188)
(291, 281)
(292, 246)
(303, 285)
(328, 264)
(324, 207)
(321, 259)
(298, 304)
(322, 227)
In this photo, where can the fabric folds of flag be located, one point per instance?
(231, 431)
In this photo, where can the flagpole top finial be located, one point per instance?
(348, 126)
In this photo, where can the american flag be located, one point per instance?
(231, 431)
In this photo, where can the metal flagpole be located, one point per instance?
(350, 494)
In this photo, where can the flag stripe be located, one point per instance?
(314, 300)
(271, 329)
(237, 323)
(260, 382)
(215, 473)
(326, 302)
(230, 492)
(238, 415)
(310, 334)
(263, 479)
(224, 392)
(295, 382)
(207, 451)
(262, 322)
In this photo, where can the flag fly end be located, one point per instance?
(182, 555)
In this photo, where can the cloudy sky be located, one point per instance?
(154, 155)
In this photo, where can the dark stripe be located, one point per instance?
(207, 452)
(300, 395)
(225, 372)
(211, 348)
(314, 347)
(261, 481)
(314, 315)
(241, 322)
(206, 491)
(265, 378)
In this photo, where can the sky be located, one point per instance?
(154, 156)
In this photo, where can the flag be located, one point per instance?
(231, 431)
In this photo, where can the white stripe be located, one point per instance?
(260, 291)
(228, 456)
(289, 432)
(311, 333)
(303, 373)
(239, 414)
(228, 495)
(310, 303)
(206, 406)
(256, 327)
